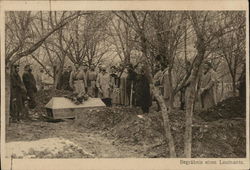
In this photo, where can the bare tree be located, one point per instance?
(122, 37)
(87, 41)
(208, 26)
(21, 41)
(137, 21)
(232, 45)
(169, 35)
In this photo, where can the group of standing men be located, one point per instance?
(80, 80)
(206, 87)
(22, 92)
(114, 85)
(126, 85)
(130, 86)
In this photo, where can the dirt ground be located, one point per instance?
(118, 132)
(95, 143)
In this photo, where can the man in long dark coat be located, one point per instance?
(142, 91)
(30, 85)
(17, 95)
(65, 79)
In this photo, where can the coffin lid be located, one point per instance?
(64, 103)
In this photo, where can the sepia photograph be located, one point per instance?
(125, 84)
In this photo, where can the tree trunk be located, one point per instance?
(159, 98)
(191, 90)
(171, 99)
(166, 122)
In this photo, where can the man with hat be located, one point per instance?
(208, 86)
(30, 85)
(91, 81)
(103, 84)
(17, 95)
(85, 72)
(65, 78)
(78, 81)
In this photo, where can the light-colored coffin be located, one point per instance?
(60, 107)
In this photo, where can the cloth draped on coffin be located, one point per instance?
(60, 107)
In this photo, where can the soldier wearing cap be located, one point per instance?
(115, 83)
(17, 95)
(78, 80)
(103, 84)
(142, 90)
(65, 78)
(208, 86)
(30, 85)
(91, 81)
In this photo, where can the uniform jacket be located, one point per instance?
(103, 83)
(29, 81)
(77, 75)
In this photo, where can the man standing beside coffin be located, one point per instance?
(91, 81)
(103, 85)
(30, 85)
(65, 78)
(78, 81)
(85, 72)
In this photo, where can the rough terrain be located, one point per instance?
(118, 132)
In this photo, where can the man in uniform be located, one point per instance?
(91, 82)
(142, 90)
(85, 72)
(208, 86)
(78, 81)
(17, 95)
(65, 79)
(103, 85)
(30, 85)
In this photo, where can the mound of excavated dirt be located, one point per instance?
(217, 132)
(135, 130)
(223, 138)
(220, 138)
(103, 118)
(224, 134)
(46, 148)
(227, 109)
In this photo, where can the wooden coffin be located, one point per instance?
(60, 107)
